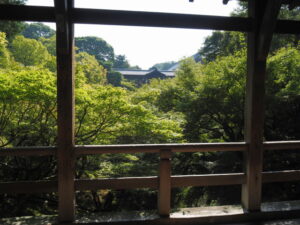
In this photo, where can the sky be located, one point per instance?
(146, 46)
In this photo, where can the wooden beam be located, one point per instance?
(116, 183)
(94, 16)
(254, 112)
(27, 13)
(155, 148)
(29, 151)
(267, 27)
(208, 180)
(164, 189)
(154, 19)
(65, 109)
(282, 145)
(28, 187)
(281, 176)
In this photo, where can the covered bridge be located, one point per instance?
(260, 25)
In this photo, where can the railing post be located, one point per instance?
(254, 112)
(65, 110)
(164, 192)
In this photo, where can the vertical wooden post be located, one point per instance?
(65, 109)
(254, 112)
(164, 192)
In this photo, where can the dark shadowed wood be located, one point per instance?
(208, 180)
(153, 19)
(267, 27)
(117, 183)
(164, 189)
(26, 187)
(254, 113)
(94, 16)
(28, 151)
(281, 145)
(155, 148)
(65, 108)
(281, 176)
(147, 182)
(27, 13)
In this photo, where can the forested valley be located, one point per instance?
(203, 103)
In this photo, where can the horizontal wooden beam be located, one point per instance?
(281, 176)
(155, 19)
(132, 18)
(28, 187)
(155, 148)
(28, 151)
(281, 145)
(17, 187)
(27, 13)
(116, 183)
(208, 180)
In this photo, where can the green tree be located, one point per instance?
(222, 44)
(114, 78)
(4, 53)
(88, 64)
(50, 44)
(29, 52)
(37, 30)
(97, 47)
(120, 61)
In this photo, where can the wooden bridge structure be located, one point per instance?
(260, 25)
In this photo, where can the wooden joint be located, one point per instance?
(165, 154)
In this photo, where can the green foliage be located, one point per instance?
(94, 73)
(37, 30)
(114, 78)
(29, 52)
(97, 47)
(222, 44)
(4, 53)
(120, 61)
(50, 44)
(11, 28)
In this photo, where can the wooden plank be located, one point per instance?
(164, 189)
(155, 148)
(267, 27)
(28, 187)
(28, 151)
(116, 183)
(281, 176)
(254, 113)
(93, 16)
(27, 13)
(208, 180)
(282, 145)
(155, 19)
(65, 110)
(17, 187)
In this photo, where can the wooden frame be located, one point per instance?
(260, 25)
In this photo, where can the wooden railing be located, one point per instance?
(163, 182)
(260, 24)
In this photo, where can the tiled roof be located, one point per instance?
(143, 72)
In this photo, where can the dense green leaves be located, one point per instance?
(29, 52)
(37, 30)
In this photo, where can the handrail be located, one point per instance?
(147, 148)
(42, 186)
(155, 148)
